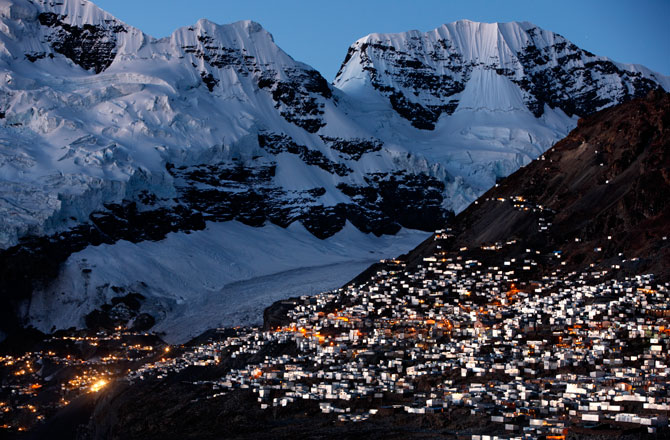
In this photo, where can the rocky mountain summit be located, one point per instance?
(513, 66)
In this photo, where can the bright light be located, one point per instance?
(97, 386)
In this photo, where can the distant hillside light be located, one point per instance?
(97, 386)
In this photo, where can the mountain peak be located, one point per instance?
(423, 76)
(75, 12)
(252, 26)
(244, 34)
(74, 29)
(249, 26)
(468, 22)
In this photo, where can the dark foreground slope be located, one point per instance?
(600, 196)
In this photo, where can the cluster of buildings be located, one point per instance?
(528, 354)
(531, 358)
(36, 384)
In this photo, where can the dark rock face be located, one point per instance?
(574, 89)
(247, 193)
(217, 56)
(222, 57)
(93, 47)
(352, 149)
(209, 80)
(279, 143)
(34, 56)
(123, 311)
(224, 192)
(298, 98)
(422, 117)
(413, 75)
(391, 200)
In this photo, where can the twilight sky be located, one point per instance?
(319, 32)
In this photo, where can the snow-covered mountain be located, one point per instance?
(109, 136)
(214, 118)
(486, 98)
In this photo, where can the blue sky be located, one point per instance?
(319, 33)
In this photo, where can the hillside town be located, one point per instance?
(532, 358)
(65, 367)
(527, 355)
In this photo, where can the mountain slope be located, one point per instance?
(597, 198)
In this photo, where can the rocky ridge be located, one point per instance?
(424, 75)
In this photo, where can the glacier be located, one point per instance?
(224, 275)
